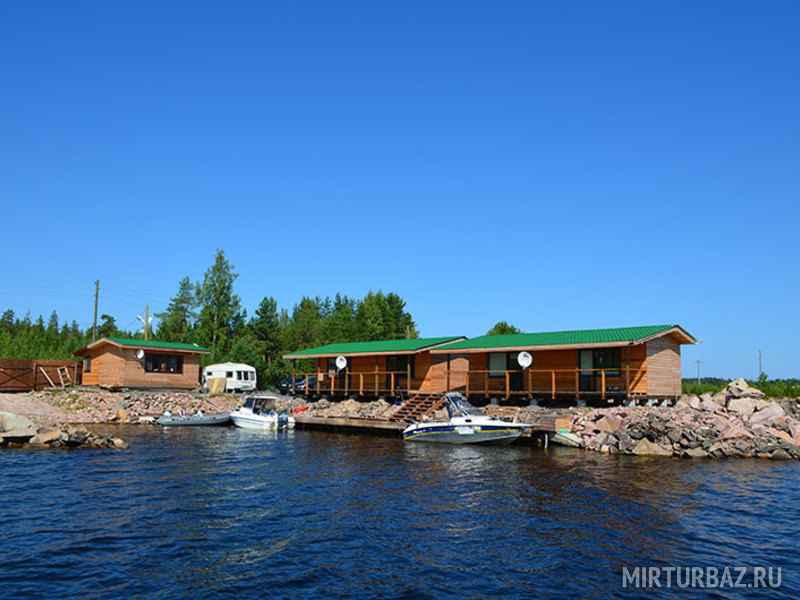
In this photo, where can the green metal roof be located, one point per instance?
(559, 338)
(157, 344)
(375, 347)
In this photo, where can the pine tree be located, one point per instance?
(221, 316)
(178, 321)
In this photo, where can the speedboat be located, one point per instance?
(467, 424)
(195, 420)
(258, 412)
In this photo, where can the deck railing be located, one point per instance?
(359, 383)
(627, 380)
(530, 382)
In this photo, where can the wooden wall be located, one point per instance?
(663, 367)
(26, 374)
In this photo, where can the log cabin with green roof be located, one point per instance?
(126, 362)
(376, 368)
(601, 364)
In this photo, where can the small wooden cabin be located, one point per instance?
(125, 362)
(378, 368)
(623, 362)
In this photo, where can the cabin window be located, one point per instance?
(239, 375)
(590, 362)
(498, 363)
(400, 364)
(163, 363)
(209, 373)
(87, 364)
(229, 374)
(608, 358)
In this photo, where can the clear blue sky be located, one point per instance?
(557, 165)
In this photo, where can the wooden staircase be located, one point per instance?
(418, 407)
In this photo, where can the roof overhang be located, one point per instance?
(143, 346)
(368, 353)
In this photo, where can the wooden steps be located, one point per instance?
(418, 407)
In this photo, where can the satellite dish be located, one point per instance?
(341, 362)
(140, 354)
(524, 359)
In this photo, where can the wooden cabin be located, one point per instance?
(378, 368)
(606, 363)
(125, 362)
(618, 363)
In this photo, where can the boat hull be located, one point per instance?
(459, 434)
(194, 421)
(259, 422)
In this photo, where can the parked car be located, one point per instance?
(285, 385)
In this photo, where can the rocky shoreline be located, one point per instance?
(737, 422)
(20, 432)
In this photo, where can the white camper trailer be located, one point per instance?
(238, 377)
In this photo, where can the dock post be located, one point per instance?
(546, 439)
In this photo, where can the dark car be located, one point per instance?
(285, 386)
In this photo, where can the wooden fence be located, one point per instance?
(17, 375)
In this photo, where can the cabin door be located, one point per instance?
(515, 377)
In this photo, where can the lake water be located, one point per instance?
(224, 512)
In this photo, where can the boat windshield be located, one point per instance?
(458, 406)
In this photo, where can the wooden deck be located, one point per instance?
(621, 382)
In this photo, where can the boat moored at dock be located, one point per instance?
(258, 412)
(467, 424)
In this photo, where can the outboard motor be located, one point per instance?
(283, 421)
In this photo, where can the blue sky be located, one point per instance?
(556, 165)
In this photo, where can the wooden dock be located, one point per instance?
(546, 426)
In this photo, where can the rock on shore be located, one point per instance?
(737, 422)
(19, 432)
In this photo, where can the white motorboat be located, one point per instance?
(258, 412)
(467, 425)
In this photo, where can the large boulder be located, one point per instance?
(688, 400)
(709, 405)
(744, 406)
(767, 416)
(9, 421)
(47, 436)
(738, 388)
(17, 436)
(647, 448)
(609, 423)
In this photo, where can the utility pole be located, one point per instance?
(146, 320)
(698, 371)
(96, 294)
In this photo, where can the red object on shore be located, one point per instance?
(299, 410)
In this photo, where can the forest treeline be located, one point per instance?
(210, 313)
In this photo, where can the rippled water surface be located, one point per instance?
(224, 512)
